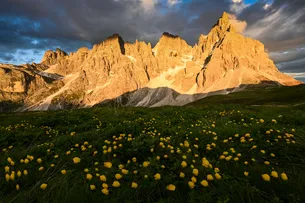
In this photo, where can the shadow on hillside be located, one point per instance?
(250, 94)
(164, 96)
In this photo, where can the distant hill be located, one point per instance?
(275, 96)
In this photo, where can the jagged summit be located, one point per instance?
(134, 74)
(51, 57)
(115, 36)
(166, 34)
(223, 22)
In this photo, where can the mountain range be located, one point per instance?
(137, 74)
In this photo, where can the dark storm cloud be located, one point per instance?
(296, 66)
(34, 26)
(288, 56)
(280, 26)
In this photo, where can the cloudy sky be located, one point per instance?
(30, 27)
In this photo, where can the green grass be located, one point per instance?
(46, 134)
(288, 96)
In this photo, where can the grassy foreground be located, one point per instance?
(214, 153)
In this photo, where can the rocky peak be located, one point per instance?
(169, 44)
(223, 22)
(52, 57)
(115, 42)
(206, 44)
(138, 48)
(168, 35)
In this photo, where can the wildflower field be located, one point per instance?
(213, 153)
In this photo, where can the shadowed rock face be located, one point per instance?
(221, 62)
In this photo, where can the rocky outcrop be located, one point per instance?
(52, 57)
(135, 74)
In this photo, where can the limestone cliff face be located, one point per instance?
(171, 73)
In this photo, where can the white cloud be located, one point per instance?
(239, 25)
(237, 6)
(148, 5)
(266, 6)
(173, 2)
(277, 23)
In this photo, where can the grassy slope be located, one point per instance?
(259, 96)
(46, 134)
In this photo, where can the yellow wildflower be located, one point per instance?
(19, 173)
(205, 162)
(105, 191)
(89, 176)
(217, 176)
(182, 175)
(118, 176)
(116, 184)
(183, 164)
(191, 184)
(266, 177)
(157, 176)
(103, 178)
(204, 183)
(195, 171)
(134, 185)
(43, 186)
(76, 160)
(210, 177)
(92, 187)
(171, 187)
(7, 177)
(107, 164)
(274, 174)
(246, 173)
(284, 176)
(63, 172)
(228, 158)
(124, 171)
(145, 164)
(222, 157)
